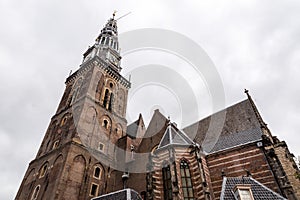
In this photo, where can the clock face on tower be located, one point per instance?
(113, 59)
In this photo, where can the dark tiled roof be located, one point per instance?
(227, 128)
(126, 194)
(132, 129)
(154, 132)
(259, 191)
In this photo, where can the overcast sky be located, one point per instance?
(253, 44)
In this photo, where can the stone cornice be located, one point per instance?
(96, 61)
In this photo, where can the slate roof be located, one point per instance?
(174, 136)
(132, 129)
(126, 194)
(235, 125)
(259, 191)
(235, 139)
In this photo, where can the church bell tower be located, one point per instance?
(77, 153)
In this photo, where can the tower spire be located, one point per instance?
(106, 45)
(257, 114)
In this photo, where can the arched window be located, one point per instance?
(76, 90)
(166, 172)
(102, 40)
(55, 144)
(105, 124)
(35, 192)
(43, 170)
(74, 95)
(186, 181)
(153, 149)
(97, 172)
(64, 120)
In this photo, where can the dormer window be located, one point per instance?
(243, 192)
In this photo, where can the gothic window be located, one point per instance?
(153, 149)
(55, 144)
(35, 192)
(64, 120)
(119, 129)
(167, 183)
(94, 189)
(76, 90)
(102, 40)
(186, 181)
(43, 170)
(97, 172)
(74, 95)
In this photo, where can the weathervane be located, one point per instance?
(114, 14)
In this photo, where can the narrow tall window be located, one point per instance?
(110, 101)
(35, 192)
(97, 171)
(75, 95)
(63, 121)
(102, 40)
(43, 170)
(106, 98)
(94, 189)
(187, 187)
(167, 183)
(55, 145)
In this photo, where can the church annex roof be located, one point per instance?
(132, 129)
(259, 191)
(235, 139)
(174, 136)
(241, 126)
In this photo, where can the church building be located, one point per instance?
(89, 151)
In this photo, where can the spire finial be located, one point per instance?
(114, 14)
(169, 120)
(247, 93)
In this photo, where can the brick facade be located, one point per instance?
(88, 138)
